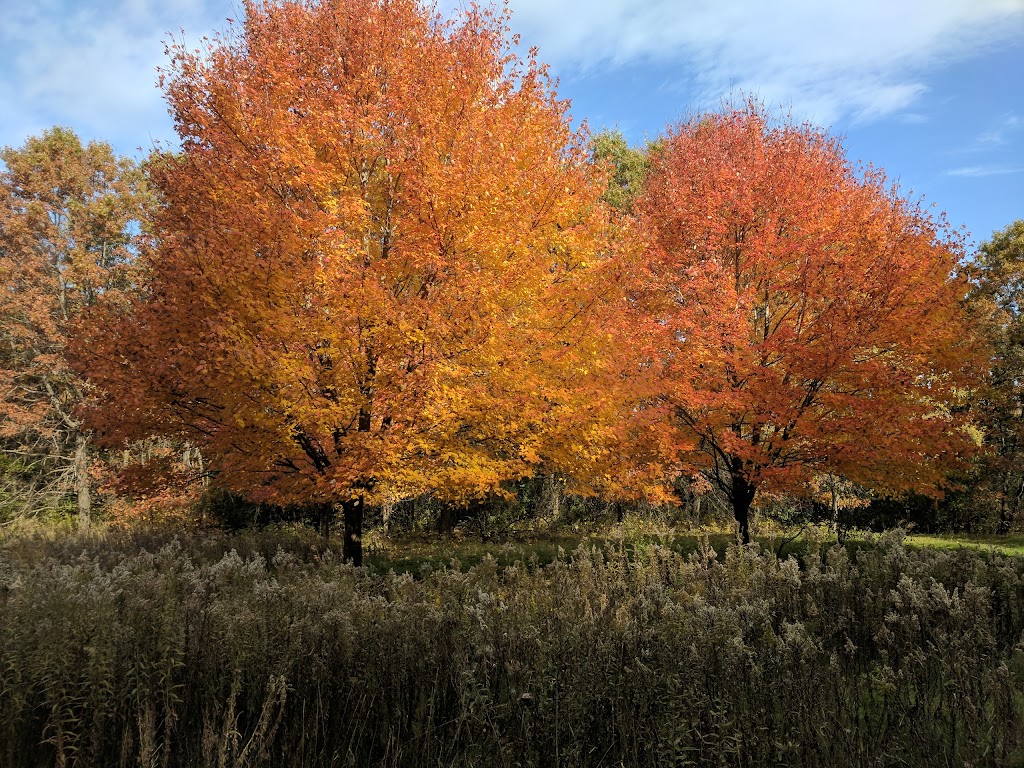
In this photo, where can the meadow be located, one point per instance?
(388, 281)
(265, 649)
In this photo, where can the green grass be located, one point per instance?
(1012, 544)
(416, 554)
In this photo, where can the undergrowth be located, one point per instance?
(262, 650)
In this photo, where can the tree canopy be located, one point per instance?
(387, 265)
(997, 301)
(379, 252)
(70, 228)
(810, 317)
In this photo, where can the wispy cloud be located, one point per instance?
(91, 64)
(1001, 134)
(829, 60)
(981, 171)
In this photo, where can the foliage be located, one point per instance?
(997, 298)
(70, 217)
(629, 165)
(255, 651)
(155, 482)
(380, 258)
(809, 317)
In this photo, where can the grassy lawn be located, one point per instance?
(422, 552)
(1012, 544)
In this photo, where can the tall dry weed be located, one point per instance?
(189, 652)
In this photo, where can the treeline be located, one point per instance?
(383, 267)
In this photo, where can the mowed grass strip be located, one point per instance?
(1012, 544)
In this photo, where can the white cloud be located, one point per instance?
(828, 58)
(982, 171)
(91, 65)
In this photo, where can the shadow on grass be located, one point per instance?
(417, 555)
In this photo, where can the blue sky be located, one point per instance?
(930, 90)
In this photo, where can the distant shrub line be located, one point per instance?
(186, 656)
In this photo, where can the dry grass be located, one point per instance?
(261, 650)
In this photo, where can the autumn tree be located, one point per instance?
(997, 300)
(380, 254)
(69, 232)
(810, 316)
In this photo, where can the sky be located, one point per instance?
(932, 91)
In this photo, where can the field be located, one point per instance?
(262, 649)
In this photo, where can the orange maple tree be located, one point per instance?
(810, 317)
(70, 229)
(379, 260)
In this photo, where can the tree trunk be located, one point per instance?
(550, 498)
(1015, 508)
(1004, 507)
(742, 497)
(836, 522)
(352, 550)
(446, 519)
(82, 482)
(324, 519)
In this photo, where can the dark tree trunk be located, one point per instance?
(446, 519)
(1004, 507)
(448, 516)
(324, 519)
(742, 497)
(837, 521)
(352, 550)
